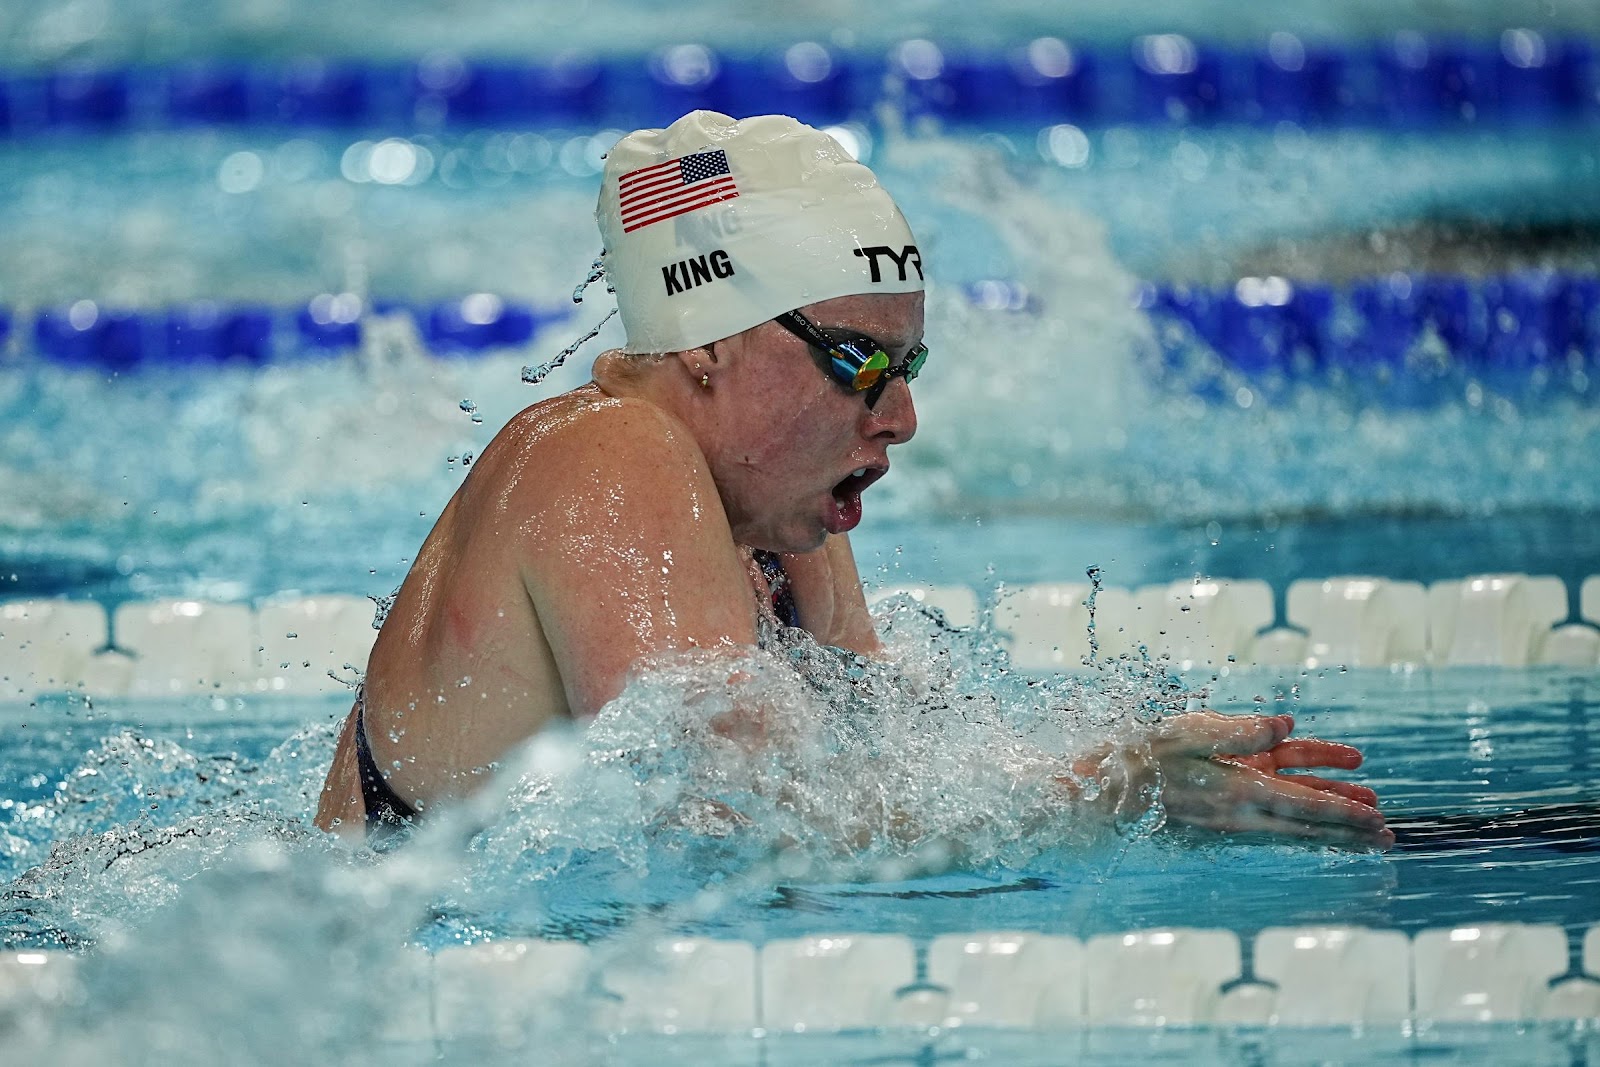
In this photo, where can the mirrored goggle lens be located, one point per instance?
(858, 368)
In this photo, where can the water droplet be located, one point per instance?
(535, 375)
(382, 606)
(597, 271)
(1095, 581)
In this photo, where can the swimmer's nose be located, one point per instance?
(895, 416)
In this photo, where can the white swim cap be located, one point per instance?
(713, 226)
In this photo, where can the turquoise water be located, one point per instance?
(153, 30)
(158, 832)
(1459, 742)
(171, 839)
(1071, 455)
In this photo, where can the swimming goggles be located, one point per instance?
(855, 360)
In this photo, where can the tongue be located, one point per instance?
(846, 513)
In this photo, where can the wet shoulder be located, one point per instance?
(588, 418)
(584, 437)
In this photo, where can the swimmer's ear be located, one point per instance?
(696, 360)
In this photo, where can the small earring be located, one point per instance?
(705, 379)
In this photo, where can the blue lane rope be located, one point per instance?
(1407, 80)
(85, 334)
(1413, 335)
(1414, 328)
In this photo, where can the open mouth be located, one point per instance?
(856, 482)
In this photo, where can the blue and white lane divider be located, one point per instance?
(1512, 327)
(180, 647)
(1518, 76)
(961, 989)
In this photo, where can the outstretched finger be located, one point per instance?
(1210, 734)
(1314, 752)
(1349, 790)
(1297, 753)
(1282, 757)
(1287, 798)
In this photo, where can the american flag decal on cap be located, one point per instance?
(651, 194)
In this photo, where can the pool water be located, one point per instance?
(153, 834)
(170, 840)
(1074, 455)
(1461, 742)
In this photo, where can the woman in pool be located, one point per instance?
(771, 293)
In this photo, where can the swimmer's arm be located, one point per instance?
(853, 628)
(1222, 773)
(340, 808)
(627, 552)
(1218, 773)
(1212, 772)
(829, 597)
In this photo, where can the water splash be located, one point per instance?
(137, 818)
(707, 790)
(597, 270)
(381, 606)
(283, 950)
(843, 766)
(1096, 579)
(937, 756)
(536, 375)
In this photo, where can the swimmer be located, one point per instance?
(709, 475)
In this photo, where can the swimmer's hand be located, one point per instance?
(1225, 773)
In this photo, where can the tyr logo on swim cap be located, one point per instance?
(776, 213)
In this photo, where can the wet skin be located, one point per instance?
(614, 523)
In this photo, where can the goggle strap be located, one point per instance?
(804, 329)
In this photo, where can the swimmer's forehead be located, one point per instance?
(893, 320)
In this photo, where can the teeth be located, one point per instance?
(858, 473)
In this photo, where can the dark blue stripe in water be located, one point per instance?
(1406, 81)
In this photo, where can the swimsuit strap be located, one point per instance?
(778, 581)
(387, 811)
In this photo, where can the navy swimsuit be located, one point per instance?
(386, 811)
(782, 596)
